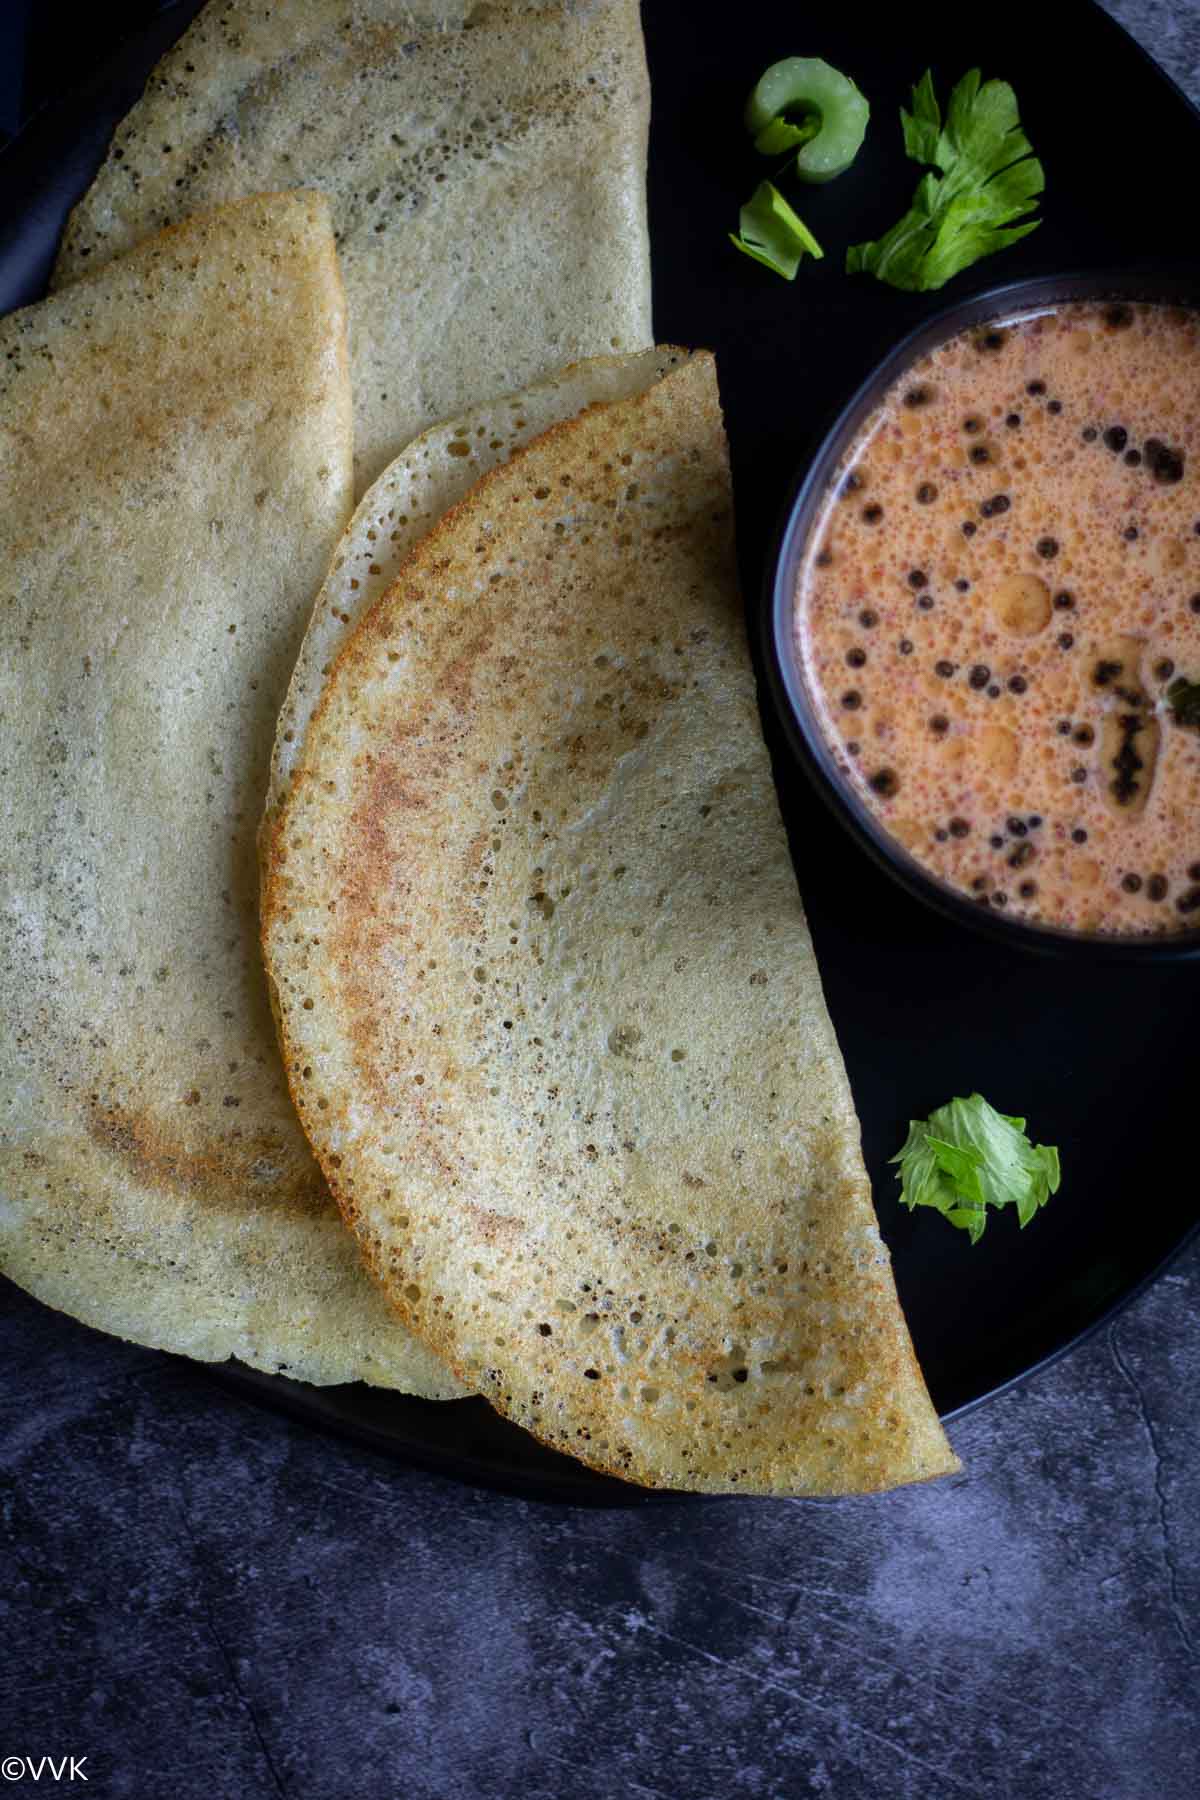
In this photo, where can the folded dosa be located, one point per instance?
(485, 161)
(175, 469)
(429, 477)
(549, 1004)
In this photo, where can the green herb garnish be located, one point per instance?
(773, 234)
(966, 1157)
(803, 104)
(781, 135)
(989, 178)
(1183, 697)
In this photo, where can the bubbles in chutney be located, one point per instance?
(1031, 568)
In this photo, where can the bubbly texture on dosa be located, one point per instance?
(175, 468)
(485, 161)
(550, 1009)
(426, 480)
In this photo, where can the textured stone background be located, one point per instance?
(206, 1600)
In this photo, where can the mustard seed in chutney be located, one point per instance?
(996, 481)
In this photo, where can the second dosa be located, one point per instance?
(550, 1008)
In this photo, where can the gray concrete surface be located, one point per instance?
(206, 1600)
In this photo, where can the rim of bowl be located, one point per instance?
(1172, 287)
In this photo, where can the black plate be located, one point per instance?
(1101, 1062)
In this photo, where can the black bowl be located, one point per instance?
(785, 679)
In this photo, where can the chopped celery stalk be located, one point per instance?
(794, 93)
(773, 234)
(781, 135)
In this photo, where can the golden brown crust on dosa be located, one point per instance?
(550, 1009)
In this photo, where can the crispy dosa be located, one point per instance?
(429, 477)
(175, 468)
(549, 1004)
(485, 161)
